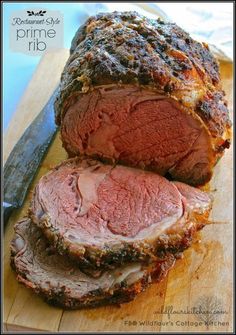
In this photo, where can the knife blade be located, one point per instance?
(26, 156)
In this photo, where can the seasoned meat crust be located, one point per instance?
(103, 216)
(128, 50)
(59, 281)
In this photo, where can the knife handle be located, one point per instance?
(7, 211)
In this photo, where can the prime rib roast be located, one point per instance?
(102, 215)
(143, 93)
(144, 120)
(60, 281)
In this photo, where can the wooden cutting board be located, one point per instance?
(202, 278)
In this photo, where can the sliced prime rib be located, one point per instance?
(143, 93)
(104, 215)
(61, 283)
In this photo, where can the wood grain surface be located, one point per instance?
(202, 278)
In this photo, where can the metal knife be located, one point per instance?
(26, 156)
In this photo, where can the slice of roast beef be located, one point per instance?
(143, 93)
(104, 215)
(61, 283)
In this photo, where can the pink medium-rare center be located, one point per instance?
(101, 201)
(138, 127)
